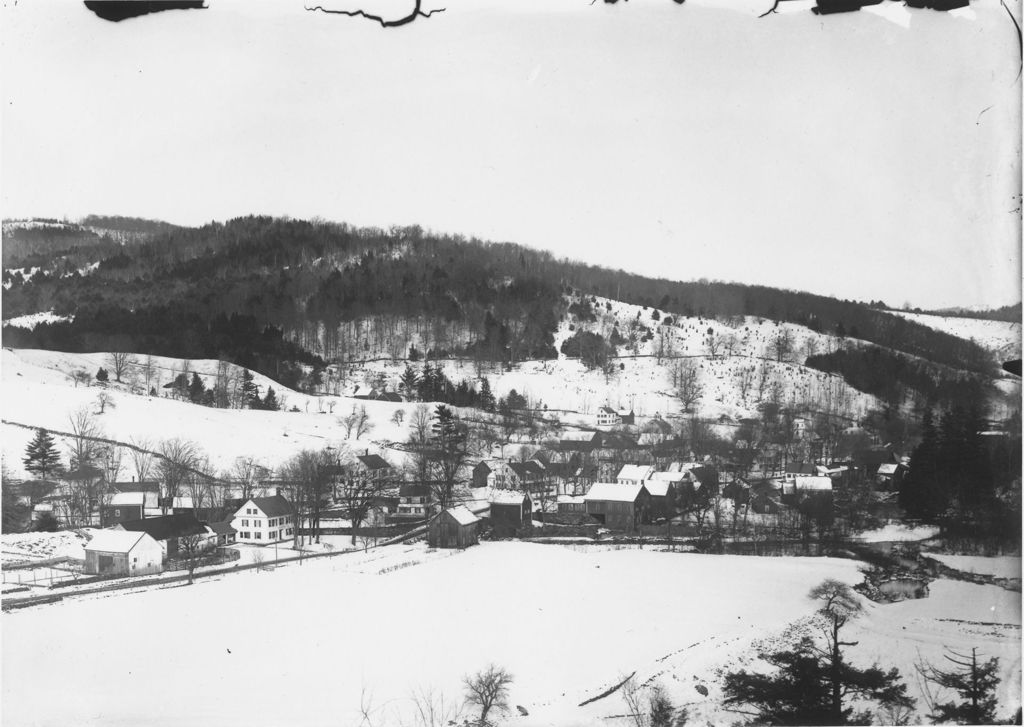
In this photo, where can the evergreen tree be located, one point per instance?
(813, 683)
(41, 457)
(923, 492)
(515, 400)
(250, 391)
(975, 683)
(196, 389)
(102, 375)
(270, 400)
(486, 396)
(409, 382)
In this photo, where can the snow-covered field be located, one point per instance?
(36, 391)
(1002, 337)
(298, 645)
(18, 547)
(1002, 566)
(32, 320)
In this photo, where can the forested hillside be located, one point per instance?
(273, 293)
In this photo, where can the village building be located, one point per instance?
(618, 506)
(414, 503)
(634, 474)
(798, 485)
(483, 474)
(224, 532)
(511, 513)
(608, 417)
(453, 528)
(663, 498)
(263, 520)
(890, 475)
(167, 530)
(124, 506)
(571, 505)
(373, 467)
(123, 553)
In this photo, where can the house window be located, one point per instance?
(289, 531)
(259, 535)
(245, 523)
(244, 536)
(117, 513)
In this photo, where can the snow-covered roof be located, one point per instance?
(115, 541)
(462, 515)
(129, 498)
(607, 410)
(575, 499)
(578, 436)
(507, 497)
(613, 491)
(666, 477)
(658, 488)
(887, 469)
(636, 472)
(811, 482)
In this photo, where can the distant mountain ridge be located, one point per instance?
(279, 294)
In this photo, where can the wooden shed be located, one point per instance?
(453, 528)
(618, 506)
(123, 553)
(511, 513)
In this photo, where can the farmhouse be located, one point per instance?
(511, 513)
(167, 530)
(618, 506)
(123, 553)
(372, 467)
(414, 504)
(608, 417)
(453, 528)
(263, 520)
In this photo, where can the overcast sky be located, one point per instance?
(864, 155)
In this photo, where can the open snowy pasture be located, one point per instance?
(1002, 337)
(308, 644)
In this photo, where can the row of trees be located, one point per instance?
(963, 479)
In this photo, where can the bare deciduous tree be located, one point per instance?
(177, 458)
(84, 431)
(142, 457)
(105, 400)
(191, 548)
(488, 690)
(686, 383)
(119, 362)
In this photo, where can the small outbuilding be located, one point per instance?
(123, 553)
(511, 513)
(453, 528)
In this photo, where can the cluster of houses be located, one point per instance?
(142, 545)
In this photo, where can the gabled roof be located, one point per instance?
(639, 472)
(114, 541)
(271, 506)
(462, 515)
(608, 410)
(579, 436)
(658, 488)
(484, 465)
(613, 492)
(508, 497)
(373, 461)
(166, 526)
(414, 491)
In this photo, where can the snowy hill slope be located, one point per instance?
(1001, 337)
(36, 391)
